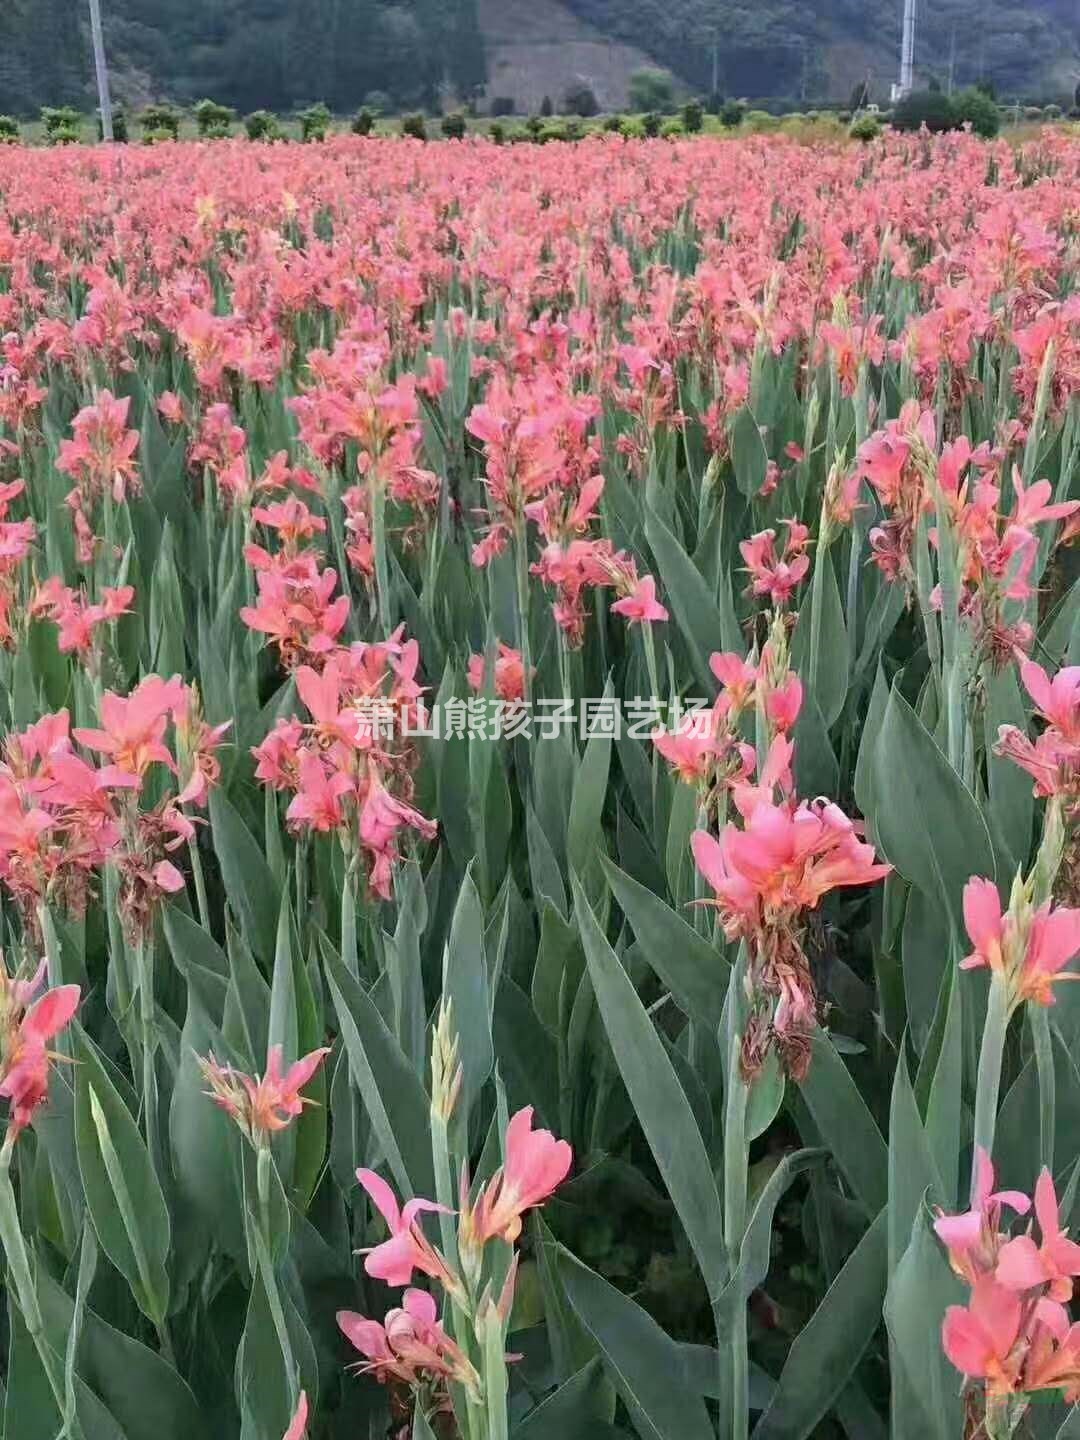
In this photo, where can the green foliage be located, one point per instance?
(314, 122)
(924, 107)
(214, 121)
(614, 124)
(497, 132)
(651, 123)
(262, 125)
(414, 125)
(9, 130)
(693, 116)
(652, 90)
(731, 113)
(60, 120)
(454, 125)
(972, 107)
(159, 122)
(865, 128)
(363, 122)
(578, 99)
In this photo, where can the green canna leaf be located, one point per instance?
(465, 983)
(123, 1194)
(845, 1124)
(250, 886)
(644, 1364)
(661, 1105)
(827, 1349)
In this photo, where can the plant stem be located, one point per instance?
(349, 956)
(144, 961)
(1039, 1021)
(378, 544)
(990, 1057)
(200, 884)
(735, 1182)
(521, 578)
(264, 1254)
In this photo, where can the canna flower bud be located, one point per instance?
(446, 1070)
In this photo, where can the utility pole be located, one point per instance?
(907, 52)
(102, 70)
(715, 62)
(952, 59)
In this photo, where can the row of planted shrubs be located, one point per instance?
(160, 122)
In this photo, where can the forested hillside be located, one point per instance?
(283, 53)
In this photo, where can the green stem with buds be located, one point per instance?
(991, 1052)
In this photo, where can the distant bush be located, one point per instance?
(672, 128)
(379, 102)
(497, 132)
(314, 123)
(731, 113)
(501, 105)
(533, 127)
(547, 109)
(693, 116)
(454, 125)
(262, 125)
(652, 90)
(578, 99)
(715, 102)
(63, 125)
(844, 117)
(9, 130)
(160, 122)
(865, 128)
(414, 125)
(567, 129)
(924, 107)
(614, 124)
(650, 124)
(213, 120)
(972, 107)
(363, 122)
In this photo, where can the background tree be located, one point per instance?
(652, 90)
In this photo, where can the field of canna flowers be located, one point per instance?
(540, 791)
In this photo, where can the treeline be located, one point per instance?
(278, 54)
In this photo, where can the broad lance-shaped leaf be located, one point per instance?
(828, 1348)
(580, 1409)
(661, 1105)
(695, 609)
(392, 1092)
(919, 1293)
(827, 629)
(694, 971)
(926, 820)
(755, 1253)
(645, 1365)
(465, 983)
(122, 1191)
(249, 884)
(845, 1124)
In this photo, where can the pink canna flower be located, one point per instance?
(407, 1248)
(410, 1346)
(133, 728)
(298, 1424)
(262, 1106)
(979, 1338)
(536, 1165)
(24, 1064)
(641, 604)
(1023, 1265)
(1057, 700)
(973, 1238)
(1031, 950)
(509, 674)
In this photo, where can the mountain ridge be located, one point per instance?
(280, 54)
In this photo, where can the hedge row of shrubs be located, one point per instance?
(932, 108)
